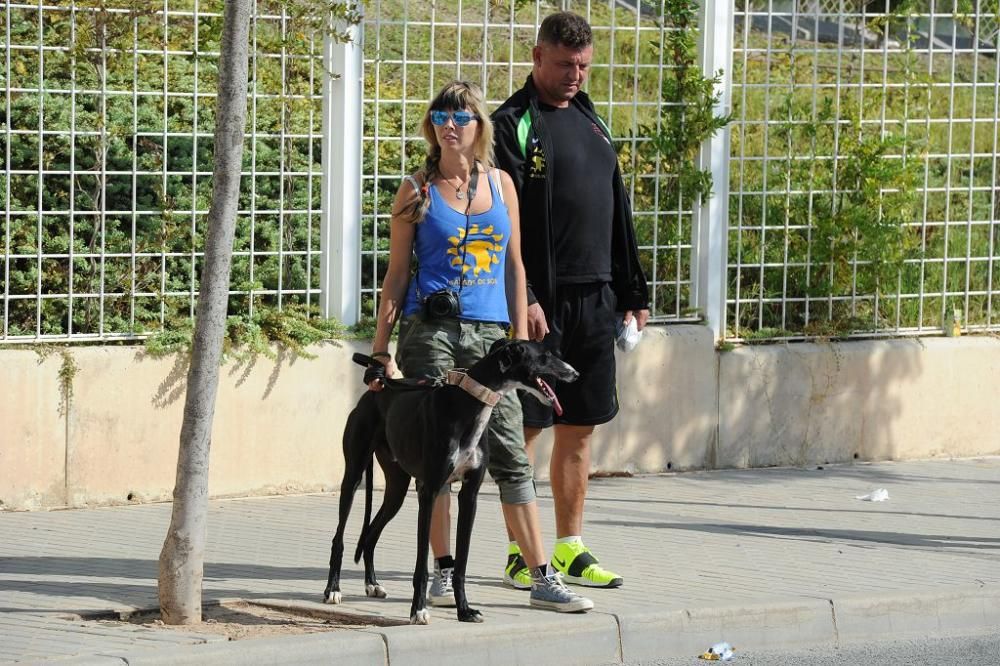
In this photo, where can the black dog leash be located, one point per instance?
(375, 370)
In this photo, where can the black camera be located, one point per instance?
(443, 303)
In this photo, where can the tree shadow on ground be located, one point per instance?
(786, 507)
(883, 472)
(222, 580)
(934, 542)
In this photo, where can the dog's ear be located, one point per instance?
(505, 360)
(509, 354)
(499, 344)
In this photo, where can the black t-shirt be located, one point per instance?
(582, 169)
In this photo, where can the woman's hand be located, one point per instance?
(390, 371)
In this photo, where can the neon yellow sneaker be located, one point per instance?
(516, 574)
(579, 566)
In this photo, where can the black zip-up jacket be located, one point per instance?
(521, 144)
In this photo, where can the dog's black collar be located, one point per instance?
(481, 393)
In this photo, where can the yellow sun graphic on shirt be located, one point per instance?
(480, 249)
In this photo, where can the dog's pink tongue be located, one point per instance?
(551, 395)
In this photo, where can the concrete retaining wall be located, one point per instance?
(802, 404)
(684, 406)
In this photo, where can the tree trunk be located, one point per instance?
(183, 554)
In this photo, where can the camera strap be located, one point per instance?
(470, 194)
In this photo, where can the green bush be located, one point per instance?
(862, 196)
(118, 121)
(863, 182)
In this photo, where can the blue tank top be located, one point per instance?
(468, 261)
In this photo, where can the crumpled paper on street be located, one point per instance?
(718, 652)
(877, 495)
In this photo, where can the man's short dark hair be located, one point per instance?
(565, 29)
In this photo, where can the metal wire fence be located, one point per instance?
(864, 168)
(107, 163)
(413, 47)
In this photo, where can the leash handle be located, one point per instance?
(373, 372)
(373, 369)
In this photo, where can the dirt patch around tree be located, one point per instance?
(238, 619)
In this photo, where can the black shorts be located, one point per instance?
(582, 333)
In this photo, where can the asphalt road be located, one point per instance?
(964, 651)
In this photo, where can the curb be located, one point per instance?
(932, 615)
(764, 627)
(592, 638)
(602, 638)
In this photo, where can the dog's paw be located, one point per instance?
(376, 591)
(469, 615)
(333, 597)
(422, 616)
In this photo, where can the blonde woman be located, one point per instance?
(458, 216)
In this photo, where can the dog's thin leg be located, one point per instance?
(397, 482)
(359, 434)
(418, 609)
(352, 478)
(467, 498)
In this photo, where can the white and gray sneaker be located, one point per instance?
(440, 592)
(551, 593)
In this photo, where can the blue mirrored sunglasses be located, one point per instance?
(461, 118)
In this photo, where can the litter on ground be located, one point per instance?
(718, 652)
(877, 495)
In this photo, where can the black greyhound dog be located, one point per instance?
(434, 434)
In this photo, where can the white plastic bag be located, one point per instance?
(628, 335)
(877, 495)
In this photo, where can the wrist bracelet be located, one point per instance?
(380, 355)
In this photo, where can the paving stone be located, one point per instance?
(691, 546)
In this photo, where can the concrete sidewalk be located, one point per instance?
(764, 559)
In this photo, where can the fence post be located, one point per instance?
(340, 241)
(711, 231)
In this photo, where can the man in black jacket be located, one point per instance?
(582, 264)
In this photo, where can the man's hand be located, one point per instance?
(641, 316)
(538, 328)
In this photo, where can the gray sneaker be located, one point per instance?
(551, 593)
(441, 593)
